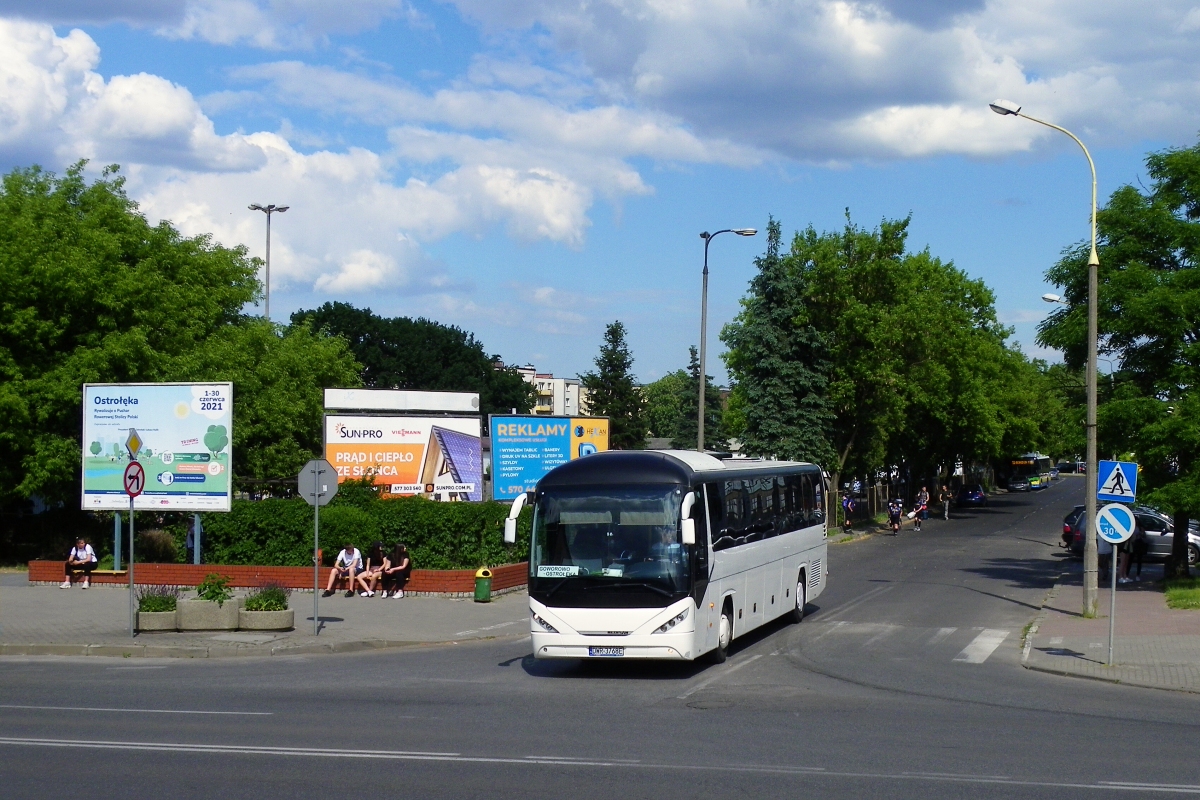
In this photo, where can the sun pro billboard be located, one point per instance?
(524, 448)
(437, 457)
(185, 431)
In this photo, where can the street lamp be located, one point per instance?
(268, 210)
(708, 237)
(1090, 595)
(1053, 298)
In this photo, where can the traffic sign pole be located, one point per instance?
(132, 611)
(1115, 523)
(317, 484)
(134, 481)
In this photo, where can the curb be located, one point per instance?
(185, 651)
(1037, 622)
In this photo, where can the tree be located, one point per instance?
(95, 448)
(685, 435)
(216, 439)
(778, 361)
(662, 400)
(1149, 322)
(93, 293)
(613, 392)
(422, 355)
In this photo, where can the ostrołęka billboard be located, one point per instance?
(186, 432)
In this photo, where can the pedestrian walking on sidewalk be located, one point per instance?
(945, 496)
(895, 515)
(847, 511)
(921, 507)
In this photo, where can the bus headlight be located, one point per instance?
(546, 625)
(671, 623)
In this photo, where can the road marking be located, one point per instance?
(142, 710)
(490, 627)
(982, 646)
(1056, 640)
(856, 603)
(809, 773)
(830, 627)
(885, 631)
(942, 635)
(722, 674)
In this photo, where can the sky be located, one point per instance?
(531, 170)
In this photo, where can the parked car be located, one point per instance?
(971, 495)
(1065, 467)
(1080, 466)
(1068, 531)
(1018, 485)
(1160, 534)
(1053, 470)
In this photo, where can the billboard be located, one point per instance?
(437, 457)
(186, 430)
(524, 448)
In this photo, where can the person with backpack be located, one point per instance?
(847, 511)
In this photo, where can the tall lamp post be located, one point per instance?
(708, 237)
(268, 210)
(1090, 594)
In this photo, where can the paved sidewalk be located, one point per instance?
(44, 620)
(1154, 646)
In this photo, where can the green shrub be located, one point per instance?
(268, 598)
(155, 547)
(157, 598)
(438, 535)
(215, 588)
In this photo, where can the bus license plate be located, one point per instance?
(610, 652)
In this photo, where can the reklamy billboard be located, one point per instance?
(437, 457)
(524, 448)
(186, 430)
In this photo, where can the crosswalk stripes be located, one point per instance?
(901, 641)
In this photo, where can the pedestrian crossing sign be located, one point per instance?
(1116, 482)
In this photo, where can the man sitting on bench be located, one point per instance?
(349, 563)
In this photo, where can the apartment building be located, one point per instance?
(563, 397)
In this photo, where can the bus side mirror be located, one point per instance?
(514, 511)
(687, 525)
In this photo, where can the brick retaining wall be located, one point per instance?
(422, 581)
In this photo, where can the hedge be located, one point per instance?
(438, 535)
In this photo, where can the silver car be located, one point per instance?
(1160, 535)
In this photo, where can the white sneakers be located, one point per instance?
(65, 585)
(86, 584)
(398, 594)
(366, 594)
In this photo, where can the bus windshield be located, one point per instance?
(609, 541)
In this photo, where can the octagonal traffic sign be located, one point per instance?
(1115, 523)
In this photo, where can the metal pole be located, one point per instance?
(132, 606)
(116, 541)
(703, 331)
(268, 303)
(1112, 600)
(316, 565)
(197, 531)
(1090, 584)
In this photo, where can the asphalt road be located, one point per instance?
(904, 681)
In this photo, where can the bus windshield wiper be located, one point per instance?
(651, 587)
(558, 586)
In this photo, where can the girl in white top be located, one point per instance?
(81, 560)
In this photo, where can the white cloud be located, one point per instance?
(834, 79)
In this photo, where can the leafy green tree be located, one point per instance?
(216, 438)
(279, 378)
(1149, 317)
(779, 363)
(663, 398)
(685, 435)
(93, 293)
(613, 393)
(422, 355)
(95, 448)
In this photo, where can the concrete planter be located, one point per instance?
(156, 621)
(266, 620)
(205, 615)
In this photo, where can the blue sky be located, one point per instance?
(531, 170)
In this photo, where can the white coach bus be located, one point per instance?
(669, 554)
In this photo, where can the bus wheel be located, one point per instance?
(724, 636)
(801, 599)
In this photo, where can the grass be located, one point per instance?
(1183, 593)
(13, 568)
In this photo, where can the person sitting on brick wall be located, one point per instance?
(395, 575)
(349, 563)
(81, 560)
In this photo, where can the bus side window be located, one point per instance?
(794, 514)
(818, 498)
(809, 501)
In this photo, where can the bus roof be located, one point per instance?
(658, 466)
